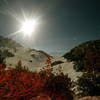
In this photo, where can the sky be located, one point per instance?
(63, 24)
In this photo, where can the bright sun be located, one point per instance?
(28, 27)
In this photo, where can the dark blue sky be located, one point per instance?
(64, 23)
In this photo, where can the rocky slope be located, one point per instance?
(12, 52)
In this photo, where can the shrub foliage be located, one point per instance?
(20, 84)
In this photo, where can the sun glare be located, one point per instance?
(27, 24)
(28, 27)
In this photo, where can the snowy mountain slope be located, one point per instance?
(67, 68)
(35, 60)
(30, 58)
(13, 52)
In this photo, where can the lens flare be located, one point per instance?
(28, 27)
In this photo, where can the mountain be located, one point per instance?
(7, 42)
(32, 59)
(12, 52)
(86, 56)
(79, 51)
(77, 54)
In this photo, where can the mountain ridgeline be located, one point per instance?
(84, 52)
(11, 52)
(7, 42)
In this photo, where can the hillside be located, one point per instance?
(7, 42)
(12, 52)
(66, 67)
(72, 64)
(88, 51)
(35, 60)
(80, 50)
(31, 58)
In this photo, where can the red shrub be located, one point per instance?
(17, 85)
(21, 84)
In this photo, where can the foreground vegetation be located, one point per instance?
(20, 84)
(86, 58)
